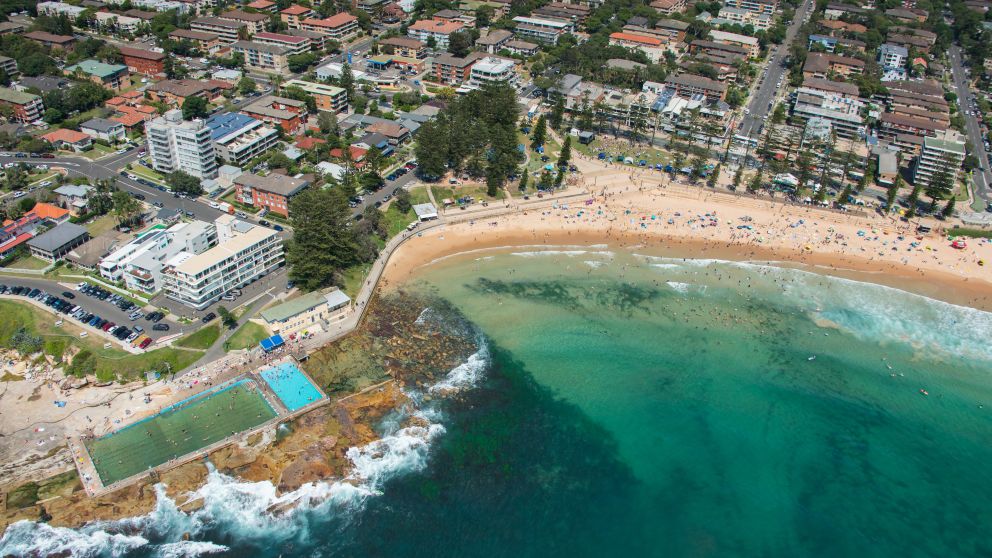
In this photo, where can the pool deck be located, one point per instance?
(95, 487)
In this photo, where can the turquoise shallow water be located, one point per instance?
(630, 405)
(758, 410)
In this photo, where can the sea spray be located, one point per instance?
(26, 538)
(189, 549)
(254, 514)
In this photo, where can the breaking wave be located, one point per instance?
(255, 514)
(569, 253)
(867, 310)
(680, 287)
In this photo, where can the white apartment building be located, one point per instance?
(542, 30)
(842, 112)
(239, 138)
(175, 144)
(139, 263)
(936, 152)
(228, 30)
(59, 8)
(758, 6)
(492, 69)
(118, 22)
(892, 56)
(245, 252)
(264, 56)
(741, 16)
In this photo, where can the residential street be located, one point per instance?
(758, 107)
(982, 176)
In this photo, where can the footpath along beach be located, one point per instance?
(646, 213)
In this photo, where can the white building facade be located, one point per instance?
(244, 253)
(175, 144)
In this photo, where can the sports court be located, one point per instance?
(180, 429)
(291, 385)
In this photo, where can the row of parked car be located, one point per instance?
(103, 294)
(124, 304)
(136, 336)
(409, 166)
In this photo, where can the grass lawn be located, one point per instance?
(973, 233)
(622, 147)
(961, 192)
(146, 172)
(204, 338)
(276, 218)
(534, 162)
(354, 277)
(238, 205)
(454, 192)
(98, 151)
(29, 262)
(43, 177)
(247, 336)
(108, 363)
(419, 195)
(101, 224)
(396, 220)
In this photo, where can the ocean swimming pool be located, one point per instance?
(179, 429)
(291, 385)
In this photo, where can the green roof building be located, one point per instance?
(310, 312)
(107, 75)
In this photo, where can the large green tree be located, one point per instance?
(941, 182)
(184, 183)
(195, 107)
(324, 244)
(540, 133)
(126, 208)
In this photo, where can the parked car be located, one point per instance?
(68, 295)
(208, 317)
(161, 327)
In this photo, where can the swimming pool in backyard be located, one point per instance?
(291, 385)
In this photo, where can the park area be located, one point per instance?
(180, 429)
(31, 330)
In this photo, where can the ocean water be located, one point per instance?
(625, 404)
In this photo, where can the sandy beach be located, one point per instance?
(642, 211)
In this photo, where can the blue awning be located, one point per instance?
(272, 343)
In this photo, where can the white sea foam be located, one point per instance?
(868, 310)
(425, 315)
(678, 286)
(255, 511)
(466, 374)
(569, 253)
(26, 538)
(189, 549)
(595, 264)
